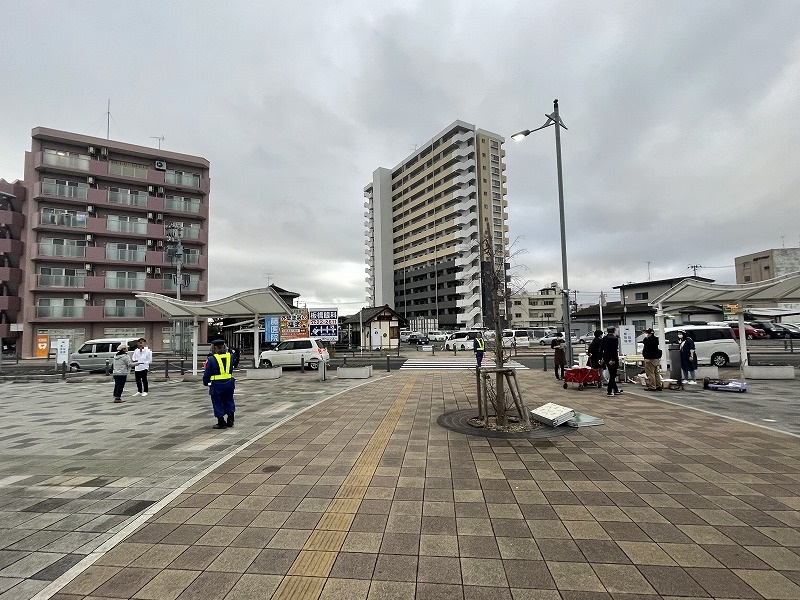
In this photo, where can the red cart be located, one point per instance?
(583, 376)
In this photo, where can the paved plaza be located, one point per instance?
(350, 489)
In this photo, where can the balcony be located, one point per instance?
(77, 220)
(178, 178)
(129, 312)
(60, 281)
(10, 303)
(170, 286)
(60, 312)
(125, 255)
(11, 275)
(46, 188)
(61, 250)
(66, 161)
(191, 205)
(137, 227)
(126, 283)
(127, 169)
(9, 246)
(127, 198)
(15, 220)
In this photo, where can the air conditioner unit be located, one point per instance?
(161, 191)
(89, 237)
(150, 216)
(150, 243)
(104, 152)
(92, 150)
(159, 217)
(149, 270)
(161, 165)
(151, 189)
(160, 244)
(87, 297)
(90, 209)
(90, 180)
(158, 271)
(88, 266)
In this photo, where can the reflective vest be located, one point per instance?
(479, 344)
(224, 367)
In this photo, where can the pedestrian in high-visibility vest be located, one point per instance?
(478, 345)
(217, 375)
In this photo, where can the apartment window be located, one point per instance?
(497, 222)
(485, 180)
(746, 278)
(766, 267)
(60, 307)
(517, 302)
(498, 248)
(495, 171)
(191, 256)
(483, 154)
(64, 188)
(60, 216)
(125, 224)
(62, 247)
(496, 208)
(498, 234)
(124, 308)
(496, 183)
(496, 196)
(182, 178)
(125, 280)
(642, 295)
(495, 145)
(62, 158)
(61, 277)
(127, 169)
(127, 252)
(495, 158)
(746, 264)
(548, 302)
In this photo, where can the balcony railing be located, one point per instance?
(68, 281)
(127, 170)
(64, 219)
(65, 160)
(189, 286)
(189, 179)
(127, 198)
(60, 311)
(125, 283)
(65, 191)
(46, 249)
(192, 206)
(127, 226)
(124, 311)
(191, 259)
(125, 254)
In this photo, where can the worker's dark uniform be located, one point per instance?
(222, 385)
(478, 347)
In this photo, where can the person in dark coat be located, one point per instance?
(559, 354)
(479, 347)
(651, 354)
(595, 355)
(688, 357)
(217, 375)
(609, 347)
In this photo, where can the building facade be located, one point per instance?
(102, 220)
(767, 264)
(543, 308)
(12, 225)
(427, 220)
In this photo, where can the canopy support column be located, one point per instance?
(195, 328)
(255, 341)
(661, 325)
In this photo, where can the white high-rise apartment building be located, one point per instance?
(426, 221)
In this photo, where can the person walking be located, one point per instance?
(651, 354)
(595, 355)
(479, 346)
(143, 356)
(217, 375)
(559, 355)
(121, 368)
(609, 346)
(688, 357)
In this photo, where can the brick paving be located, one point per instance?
(365, 497)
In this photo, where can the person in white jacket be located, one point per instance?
(142, 356)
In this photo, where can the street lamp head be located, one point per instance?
(521, 135)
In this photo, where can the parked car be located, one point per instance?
(404, 333)
(419, 339)
(461, 340)
(586, 338)
(93, 354)
(516, 338)
(714, 345)
(790, 331)
(546, 340)
(750, 332)
(770, 329)
(289, 353)
(437, 336)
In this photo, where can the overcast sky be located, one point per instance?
(682, 146)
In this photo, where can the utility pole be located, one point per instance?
(694, 268)
(175, 233)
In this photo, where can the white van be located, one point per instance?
(516, 338)
(714, 345)
(461, 340)
(92, 356)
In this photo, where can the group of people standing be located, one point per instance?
(140, 361)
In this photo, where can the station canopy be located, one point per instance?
(692, 291)
(263, 301)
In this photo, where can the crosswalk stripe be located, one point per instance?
(463, 363)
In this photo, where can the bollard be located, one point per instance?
(323, 370)
(398, 349)
(108, 367)
(166, 369)
(344, 364)
(544, 360)
(302, 364)
(388, 367)
(63, 371)
(433, 349)
(455, 349)
(182, 370)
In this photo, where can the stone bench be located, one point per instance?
(265, 373)
(354, 372)
(769, 372)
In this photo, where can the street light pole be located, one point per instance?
(555, 119)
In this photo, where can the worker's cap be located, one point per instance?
(650, 331)
(218, 343)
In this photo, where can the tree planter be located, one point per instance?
(769, 372)
(271, 373)
(364, 372)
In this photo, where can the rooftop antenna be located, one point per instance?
(108, 120)
(648, 270)
(694, 268)
(268, 277)
(160, 139)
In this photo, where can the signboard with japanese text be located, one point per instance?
(42, 346)
(62, 351)
(272, 329)
(730, 312)
(323, 324)
(627, 339)
(295, 325)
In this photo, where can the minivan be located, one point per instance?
(461, 340)
(714, 345)
(516, 338)
(92, 356)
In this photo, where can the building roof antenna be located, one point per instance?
(160, 139)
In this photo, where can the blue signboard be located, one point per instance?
(272, 329)
(323, 323)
